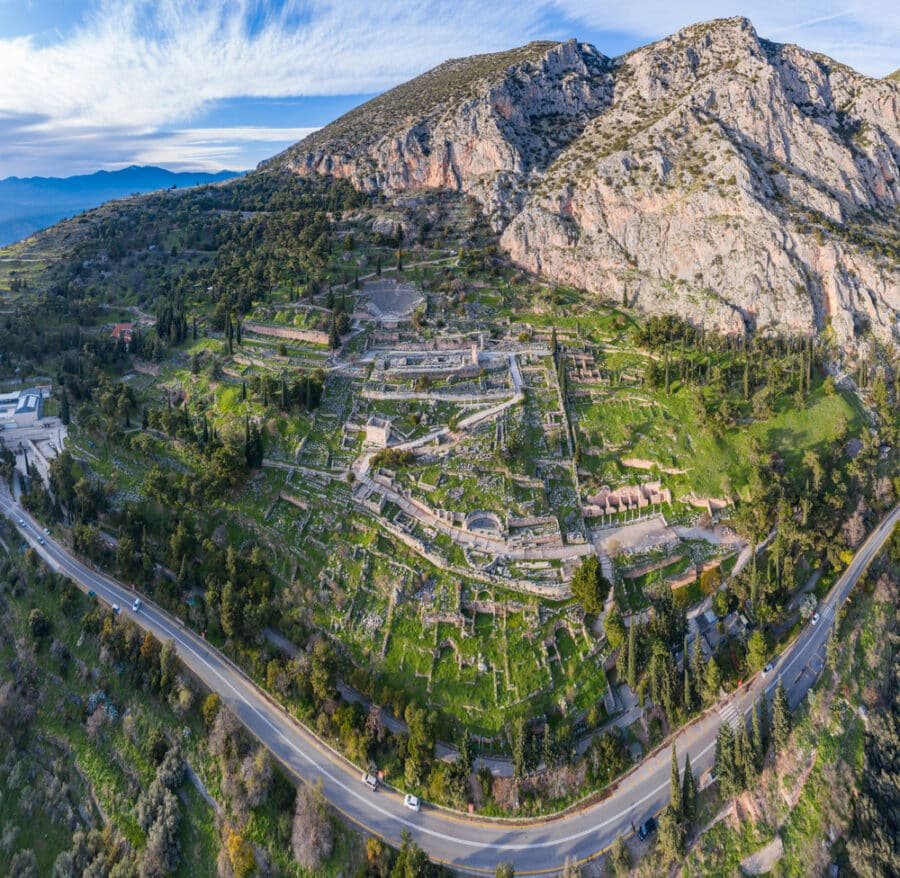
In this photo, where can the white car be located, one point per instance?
(116, 609)
(412, 802)
(138, 603)
(370, 781)
(768, 669)
(22, 522)
(41, 541)
(47, 531)
(815, 619)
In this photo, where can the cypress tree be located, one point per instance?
(756, 739)
(698, 670)
(781, 719)
(64, 407)
(243, 390)
(334, 340)
(378, 266)
(675, 786)
(725, 760)
(688, 792)
(713, 681)
(687, 695)
(745, 773)
(632, 658)
(239, 323)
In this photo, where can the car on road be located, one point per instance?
(22, 522)
(412, 802)
(41, 541)
(768, 669)
(370, 781)
(815, 619)
(647, 828)
(116, 609)
(138, 603)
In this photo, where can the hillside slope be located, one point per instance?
(736, 181)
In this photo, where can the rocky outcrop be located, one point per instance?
(737, 182)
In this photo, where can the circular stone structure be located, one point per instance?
(484, 521)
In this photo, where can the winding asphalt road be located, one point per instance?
(469, 845)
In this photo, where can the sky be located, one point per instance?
(213, 84)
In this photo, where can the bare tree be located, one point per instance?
(312, 833)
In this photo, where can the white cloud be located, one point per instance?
(153, 63)
(135, 74)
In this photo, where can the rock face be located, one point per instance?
(740, 183)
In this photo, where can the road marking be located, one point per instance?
(191, 643)
(730, 715)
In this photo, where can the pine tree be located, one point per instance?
(675, 802)
(781, 719)
(688, 792)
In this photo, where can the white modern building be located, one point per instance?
(22, 408)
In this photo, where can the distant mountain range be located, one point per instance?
(28, 204)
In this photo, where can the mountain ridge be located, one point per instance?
(28, 204)
(742, 183)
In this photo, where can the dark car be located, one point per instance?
(647, 828)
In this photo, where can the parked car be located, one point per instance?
(92, 593)
(370, 781)
(47, 531)
(768, 669)
(412, 802)
(138, 603)
(815, 619)
(116, 609)
(647, 828)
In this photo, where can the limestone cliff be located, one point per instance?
(738, 182)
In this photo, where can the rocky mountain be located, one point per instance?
(738, 182)
(31, 203)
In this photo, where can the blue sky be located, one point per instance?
(211, 84)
